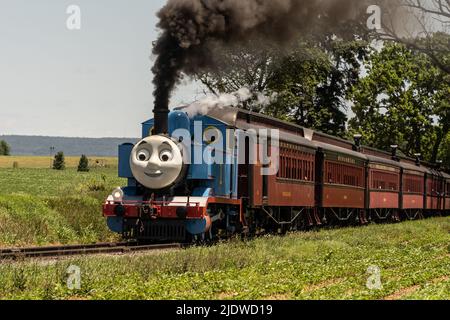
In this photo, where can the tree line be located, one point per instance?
(59, 162)
(391, 92)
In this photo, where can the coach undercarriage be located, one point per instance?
(226, 222)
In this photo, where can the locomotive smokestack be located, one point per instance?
(161, 116)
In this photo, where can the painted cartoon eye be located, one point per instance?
(143, 155)
(166, 155)
(211, 135)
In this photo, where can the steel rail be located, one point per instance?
(74, 250)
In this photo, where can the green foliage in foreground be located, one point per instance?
(44, 206)
(331, 264)
(30, 220)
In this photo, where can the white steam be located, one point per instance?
(234, 99)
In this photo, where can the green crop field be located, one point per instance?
(48, 182)
(413, 259)
(44, 206)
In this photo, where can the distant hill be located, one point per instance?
(40, 146)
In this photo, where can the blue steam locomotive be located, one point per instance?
(174, 193)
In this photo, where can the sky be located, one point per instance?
(92, 82)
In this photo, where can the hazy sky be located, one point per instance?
(93, 82)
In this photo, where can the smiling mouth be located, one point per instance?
(155, 174)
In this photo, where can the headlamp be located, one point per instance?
(118, 195)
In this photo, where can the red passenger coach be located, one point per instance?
(447, 192)
(434, 192)
(294, 184)
(413, 190)
(383, 188)
(341, 191)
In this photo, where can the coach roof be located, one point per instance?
(244, 119)
(411, 167)
(335, 149)
(384, 161)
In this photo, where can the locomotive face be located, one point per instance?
(156, 162)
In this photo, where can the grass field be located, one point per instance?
(48, 182)
(44, 206)
(40, 206)
(46, 162)
(413, 258)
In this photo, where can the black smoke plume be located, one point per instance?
(190, 27)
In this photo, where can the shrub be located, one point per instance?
(59, 163)
(5, 149)
(83, 166)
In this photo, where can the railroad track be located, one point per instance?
(73, 250)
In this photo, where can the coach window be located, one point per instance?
(343, 174)
(385, 181)
(413, 184)
(295, 164)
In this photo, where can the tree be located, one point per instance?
(308, 82)
(315, 90)
(403, 100)
(424, 27)
(442, 115)
(59, 162)
(249, 66)
(83, 166)
(5, 149)
(308, 92)
(444, 153)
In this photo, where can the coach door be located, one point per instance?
(243, 168)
